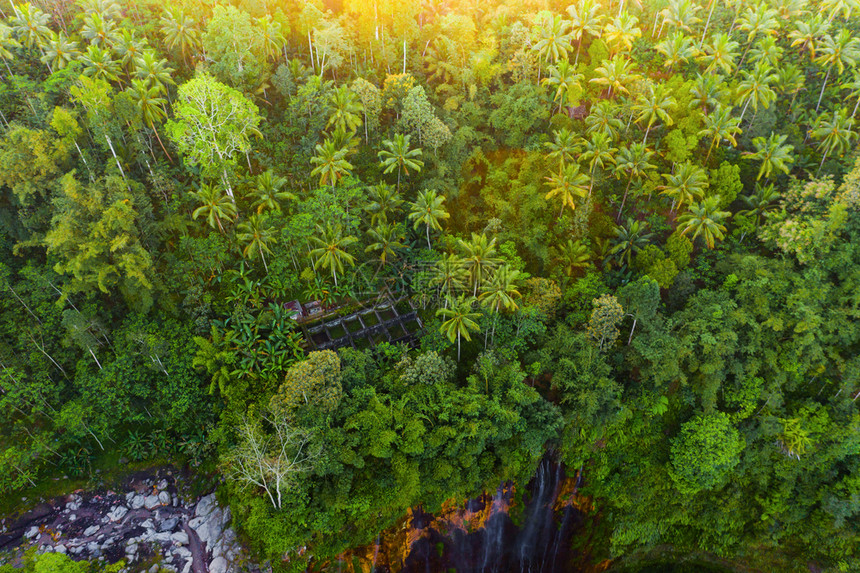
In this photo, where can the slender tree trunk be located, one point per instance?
(158, 137)
(428, 236)
(823, 85)
(115, 158)
(630, 338)
(707, 23)
(263, 256)
(744, 111)
(624, 200)
(823, 159)
(647, 131)
(856, 105)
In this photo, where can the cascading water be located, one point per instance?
(482, 538)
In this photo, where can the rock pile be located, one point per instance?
(149, 524)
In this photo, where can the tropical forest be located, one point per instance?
(466, 286)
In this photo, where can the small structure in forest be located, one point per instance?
(577, 112)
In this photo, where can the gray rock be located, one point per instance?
(164, 497)
(187, 568)
(73, 505)
(137, 501)
(168, 524)
(60, 548)
(91, 530)
(195, 522)
(117, 513)
(182, 553)
(129, 496)
(205, 505)
(94, 549)
(32, 532)
(210, 530)
(151, 502)
(162, 484)
(154, 569)
(180, 538)
(218, 565)
(73, 517)
(147, 524)
(131, 548)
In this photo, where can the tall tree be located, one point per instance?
(841, 51)
(256, 234)
(479, 258)
(835, 132)
(653, 105)
(704, 219)
(773, 154)
(428, 210)
(398, 155)
(567, 186)
(634, 161)
(459, 320)
(331, 251)
(330, 161)
(585, 19)
(214, 205)
(686, 185)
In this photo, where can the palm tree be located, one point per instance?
(630, 239)
(634, 162)
(621, 32)
(681, 15)
(386, 239)
(773, 154)
(31, 25)
(331, 252)
(761, 201)
(720, 125)
(6, 43)
(840, 51)
(766, 49)
(686, 185)
(59, 51)
(707, 91)
(554, 39)
(256, 235)
(345, 110)
(757, 20)
(704, 219)
(448, 275)
(854, 86)
(480, 258)
(383, 200)
(572, 256)
(99, 31)
(267, 192)
(330, 161)
(501, 293)
(835, 132)
(178, 30)
(563, 79)
(215, 205)
(130, 49)
(834, 7)
(151, 107)
(585, 18)
(563, 146)
(721, 52)
(154, 70)
(567, 185)
(598, 153)
(654, 105)
(677, 49)
(754, 88)
(602, 119)
(808, 33)
(789, 81)
(398, 155)
(428, 210)
(271, 35)
(459, 320)
(615, 74)
(99, 63)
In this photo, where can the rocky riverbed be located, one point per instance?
(150, 524)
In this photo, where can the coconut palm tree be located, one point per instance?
(271, 36)
(178, 30)
(585, 19)
(256, 234)
(501, 293)
(572, 256)
(554, 39)
(7, 42)
(629, 240)
(834, 7)
(384, 201)
(99, 30)
(267, 192)
(766, 49)
(686, 185)
(564, 145)
(567, 185)
(773, 154)
(835, 132)
(653, 105)
(761, 201)
(677, 49)
(681, 15)
(330, 161)
(151, 107)
(448, 275)
(397, 155)
(31, 26)
(459, 320)
(345, 110)
(563, 80)
(633, 161)
(808, 33)
(708, 91)
(841, 51)
(386, 239)
(215, 205)
(615, 74)
(59, 51)
(428, 210)
(331, 252)
(789, 81)
(758, 20)
(598, 152)
(154, 70)
(130, 49)
(602, 120)
(479, 259)
(720, 125)
(99, 63)
(754, 88)
(721, 52)
(704, 219)
(854, 86)
(621, 32)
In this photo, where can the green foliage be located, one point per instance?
(704, 453)
(311, 388)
